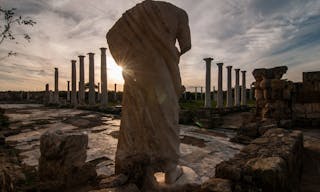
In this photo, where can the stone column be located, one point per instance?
(68, 91)
(237, 89)
(56, 86)
(220, 91)
(229, 87)
(73, 83)
(115, 92)
(207, 102)
(46, 98)
(81, 82)
(99, 94)
(196, 93)
(104, 89)
(244, 89)
(92, 93)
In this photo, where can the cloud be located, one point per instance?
(246, 34)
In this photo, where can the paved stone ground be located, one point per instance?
(201, 149)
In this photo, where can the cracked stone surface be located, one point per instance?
(201, 150)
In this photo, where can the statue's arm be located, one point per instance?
(183, 34)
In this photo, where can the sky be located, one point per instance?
(245, 34)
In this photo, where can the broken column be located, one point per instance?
(272, 94)
(46, 98)
(229, 87)
(220, 91)
(81, 82)
(196, 93)
(56, 86)
(244, 89)
(104, 85)
(74, 83)
(207, 102)
(237, 88)
(62, 164)
(92, 93)
(68, 91)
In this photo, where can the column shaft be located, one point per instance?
(244, 89)
(73, 83)
(56, 86)
(81, 81)
(92, 93)
(229, 90)
(207, 102)
(220, 91)
(237, 89)
(104, 90)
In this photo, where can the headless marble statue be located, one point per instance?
(143, 42)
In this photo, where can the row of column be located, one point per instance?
(81, 94)
(230, 100)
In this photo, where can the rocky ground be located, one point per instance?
(201, 149)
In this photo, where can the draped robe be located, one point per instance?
(143, 42)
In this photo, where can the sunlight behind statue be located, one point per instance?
(143, 42)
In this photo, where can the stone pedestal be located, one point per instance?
(244, 89)
(220, 91)
(74, 83)
(229, 87)
(104, 85)
(92, 92)
(81, 82)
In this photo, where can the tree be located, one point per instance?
(9, 19)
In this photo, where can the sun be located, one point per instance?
(114, 72)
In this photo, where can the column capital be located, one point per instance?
(56, 68)
(220, 64)
(237, 70)
(90, 53)
(81, 56)
(229, 67)
(208, 59)
(73, 61)
(243, 71)
(103, 49)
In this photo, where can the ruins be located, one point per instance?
(157, 135)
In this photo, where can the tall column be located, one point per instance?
(196, 93)
(56, 86)
(73, 83)
(229, 87)
(220, 91)
(115, 92)
(104, 90)
(68, 91)
(99, 95)
(92, 93)
(81, 82)
(237, 89)
(244, 89)
(207, 102)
